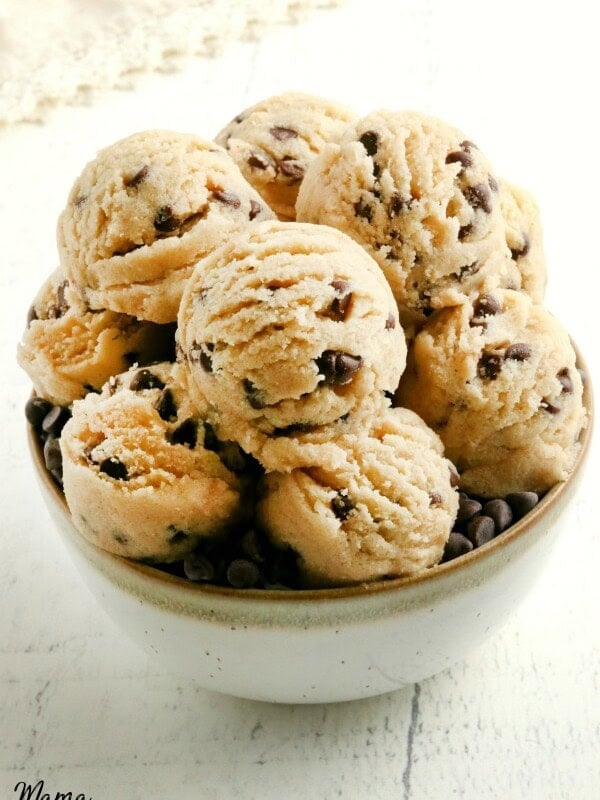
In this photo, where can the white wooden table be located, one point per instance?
(81, 707)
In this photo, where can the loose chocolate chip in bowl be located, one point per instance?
(255, 396)
(500, 512)
(227, 198)
(242, 573)
(479, 196)
(370, 141)
(522, 503)
(36, 409)
(53, 457)
(489, 366)
(197, 567)
(282, 134)
(145, 379)
(165, 221)
(341, 505)
(186, 433)
(519, 351)
(467, 508)
(133, 181)
(114, 469)
(338, 368)
(55, 420)
(481, 530)
(457, 545)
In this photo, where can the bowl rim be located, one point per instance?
(381, 586)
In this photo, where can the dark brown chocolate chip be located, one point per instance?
(435, 499)
(295, 427)
(565, 381)
(454, 476)
(178, 537)
(255, 396)
(396, 204)
(376, 174)
(549, 406)
(341, 505)
(481, 530)
(489, 366)
(519, 351)
(205, 360)
(479, 196)
(370, 141)
(114, 469)
(338, 368)
(253, 546)
(197, 567)
(52, 455)
(165, 221)
(55, 420)
(493, 183)
(500, 512)
(390, 322)
(145, 379)
(341, 302)
(468, 269)
(166, 406)
(522, 503)
(291, 168)
(457, 545)
(255, 209)
(283, 134)
(36, 409)
(227, 198)
(31, 315)
(523, 250)
(242, 573)
(210, 438)
(467, 508)
(258, 161)
(120, 538)
(132, 181)
(364, 210)
(468, 146)
(186, 433)
(463, 232)
(486, 306)
(460, 157)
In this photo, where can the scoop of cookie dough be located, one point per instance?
(288, 327)
(143, 212)
(68, 350)
(523, 233)
(497, 380)
(421, 199)
(143, 475)
(274, 142)
(381, 506)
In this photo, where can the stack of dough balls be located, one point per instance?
(355, 308)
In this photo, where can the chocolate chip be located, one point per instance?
(364, 210)
(338, 368)
(370, 141)
(31, 315)
(114, 469)
(467, 508)
(210, 438)
(522, 503)
(479, 196)
(62, 304)
(390, 322)
(120, 538)
(255, 209)
(165, 221)
(242, 573)
(166, 406)
(493, 183)
(253, 546)
(519, 351)
(206, 361)
(396, 204)
(186, 433)
(258, 161)
(457, 545)
(341, 505)
(292, 169)
(549, 406)
(500, 512)
(227, 198)
(468, 146)
(198, 568)
(53, 455)
(340, 303)
(283, 134)
(565, 381)
(454, 476)
(468, 269)
(489, 366)
(460, 157)
(435, 499)
(178, 537)
(523, 250)
(486, 306)
(144, 379)
(463, 232)
(134, 180)
(36, 409)
(481, 530)
(55, 420)
(255, 396)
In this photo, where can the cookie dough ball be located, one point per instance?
(497, 380)
(274, 142)
(143, 212)
(288, 327)
(384, 507)
(143, 475)
(68, 350)
(421, 199)
(523, 233)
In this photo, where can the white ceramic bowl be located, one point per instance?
(320, 645)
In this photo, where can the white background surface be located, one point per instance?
(520, 718)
